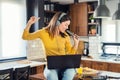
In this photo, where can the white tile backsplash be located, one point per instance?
(94, 46)
(35, 49)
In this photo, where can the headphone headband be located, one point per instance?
(61, 15)
(59, 19)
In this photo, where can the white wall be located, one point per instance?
(118, 31)
(113, 6)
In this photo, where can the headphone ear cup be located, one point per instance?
(58, 22)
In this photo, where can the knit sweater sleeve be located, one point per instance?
(31, 36)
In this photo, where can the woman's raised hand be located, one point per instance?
(76, 38)
(33, 19)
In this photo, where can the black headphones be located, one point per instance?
(59, 18)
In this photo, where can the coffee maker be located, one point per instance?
(86, 49)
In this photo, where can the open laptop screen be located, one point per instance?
(63, 61)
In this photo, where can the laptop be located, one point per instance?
(64, 61)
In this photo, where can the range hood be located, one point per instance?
(71, 1)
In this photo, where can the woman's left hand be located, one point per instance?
(76, 39)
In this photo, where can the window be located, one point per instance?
(109, 31)
(12, 23)
(112, 49)
(110, 35)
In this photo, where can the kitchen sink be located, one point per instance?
(109, 57)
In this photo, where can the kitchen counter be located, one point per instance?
(108, 60)
(103, 74)
(101, 64)
(110, 74)
(21, 63)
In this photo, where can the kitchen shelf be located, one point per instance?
(51, 8)
(90, 12)
(49, 11)
(95, 23)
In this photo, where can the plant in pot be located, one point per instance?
(93, 30)
(91, 18)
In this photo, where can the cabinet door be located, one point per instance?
(100, 66)
(40, 69)
(78, 13)
(114, 67)
(73, 16)
(82, 20)
(37, 69)
(86, 63)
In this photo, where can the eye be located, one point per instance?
(65, 24)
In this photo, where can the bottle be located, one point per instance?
(86, 49)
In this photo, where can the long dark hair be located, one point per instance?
(52, 26)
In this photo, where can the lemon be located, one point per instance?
(79, 70)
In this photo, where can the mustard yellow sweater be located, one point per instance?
(56, 46)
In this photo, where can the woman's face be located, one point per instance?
(64, 25)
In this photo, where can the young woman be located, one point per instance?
(56, 42)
